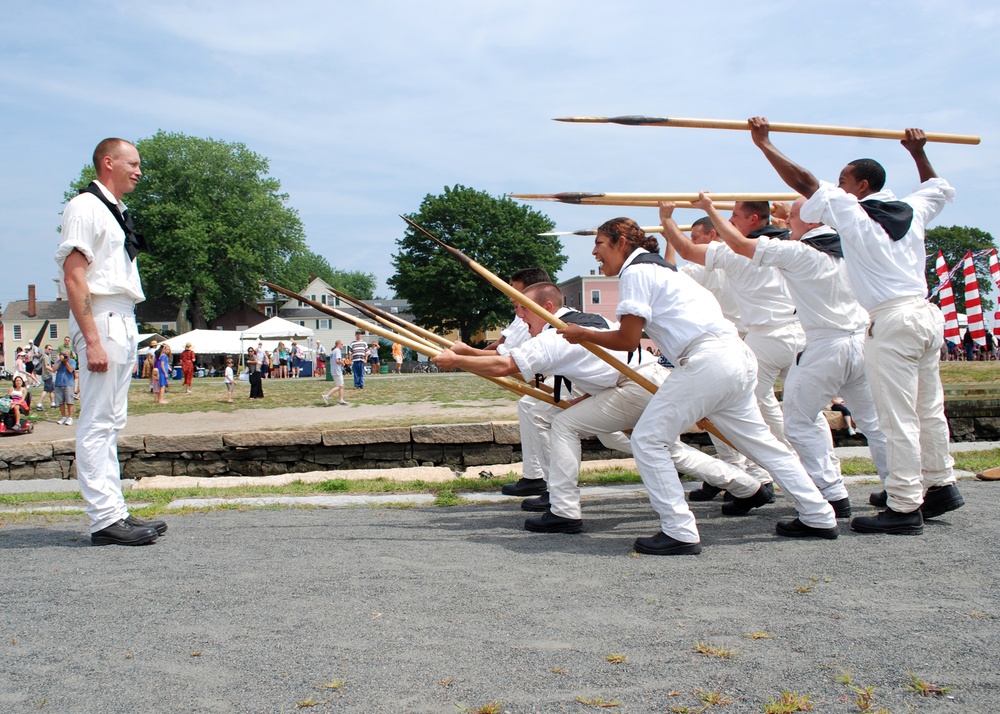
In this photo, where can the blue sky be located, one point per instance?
(364, 108)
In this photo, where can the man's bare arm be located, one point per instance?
(489, 366)
(78, 291)
(676, 239)
(624, 339)
(914, 143)
(726, 230)
(797, 178)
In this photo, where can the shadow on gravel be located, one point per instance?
(43, 537)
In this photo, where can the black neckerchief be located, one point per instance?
(895, 217)
(826, 243)
(651, 259)
(770, 231)
(133, 241)
(583, 319)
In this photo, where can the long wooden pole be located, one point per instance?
(421, 347)
(537, 309)
(395, 322)
(630, 199)
(593, 231)
(775, 126)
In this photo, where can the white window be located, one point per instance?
(595, 297)
(268, 311)
(164, 328)
(17, 332)
(394, 310)
(53, 331)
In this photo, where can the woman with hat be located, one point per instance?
(187, 366)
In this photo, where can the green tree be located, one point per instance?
(498, 233)
(955, 242)
(295, 275)
(215, 221)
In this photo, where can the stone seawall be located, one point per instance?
(457, 446)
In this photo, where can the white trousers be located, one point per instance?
(731, 456)
(775, 348)
(902, 356)
(614, 410)
(535, 421)
(104, 410)
(715, 379)
(832, 363)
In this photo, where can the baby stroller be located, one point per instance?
(7, 420)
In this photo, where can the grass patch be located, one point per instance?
(925, 688)
(710, 650)
(789, 702)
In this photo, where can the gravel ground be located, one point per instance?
(430, 609)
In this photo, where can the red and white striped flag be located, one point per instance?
(994, 267)
(946, 299)
(973, 308)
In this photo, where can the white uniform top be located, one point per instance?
(514, 335)
(761, 292)
(89, 227)
(717, 283)
(817, 282)
(677, 310)
(878, 267)
(549, 353)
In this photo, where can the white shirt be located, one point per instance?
(337, 356)
(549, 353)
(229, 375)
(717, 283)
(816, 280)
(879, 268)
(677, 310)
(89, 227)
(761, 292)
(514, 335)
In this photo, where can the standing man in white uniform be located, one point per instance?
(833, 360)
(714, 377)
(97, 258)
(883, 242)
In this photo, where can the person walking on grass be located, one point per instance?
(337, 368)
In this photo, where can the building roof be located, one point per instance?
(17, 310)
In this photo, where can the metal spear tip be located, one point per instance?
(636, 120)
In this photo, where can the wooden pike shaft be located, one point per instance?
(775, 126)
(537, 309)
(395, 322)
(421, 347)
(427, 335)
(616, 199)
(593, 231)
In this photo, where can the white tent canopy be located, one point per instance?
(278, 328)
(207, 342)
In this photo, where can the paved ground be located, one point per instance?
(429, 609)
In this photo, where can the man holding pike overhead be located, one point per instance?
(610, 402)
(714, 377)
(883, 245)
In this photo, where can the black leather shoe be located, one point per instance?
(160, 526)
(743, 506)
(551, 523)
(769, 487)
(706, 493)
(524, 487)
(122, 533)
(879, 499)
(941, 499)
(797, 529)
(537, 504)
(662, 544)
(842, 508)
(891, 522)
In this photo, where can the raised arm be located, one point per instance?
(914, 143)
(676, 239)
(797, 178)
(726, 230)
